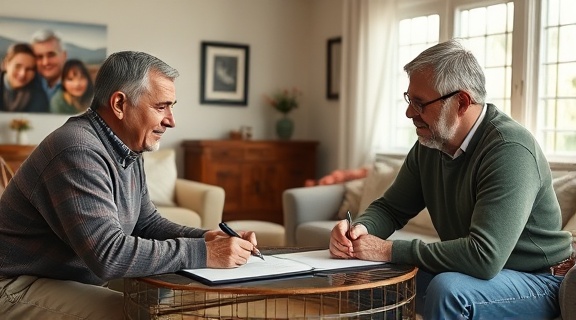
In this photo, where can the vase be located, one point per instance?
(284, 128)
(21, 137)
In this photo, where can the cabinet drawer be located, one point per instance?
(259, 153)
(226, 154)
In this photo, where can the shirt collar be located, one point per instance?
(50, 91)
(125, 156)
(466, 141)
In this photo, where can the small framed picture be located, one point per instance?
(334, 50)
(224, 73)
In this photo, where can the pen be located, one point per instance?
(349, 219)
(229, 231)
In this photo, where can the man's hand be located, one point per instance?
(370, 247)
(341, 241)
(223, 251)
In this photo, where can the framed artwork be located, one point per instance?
(334, 50)
(82, 41)
(224, 73)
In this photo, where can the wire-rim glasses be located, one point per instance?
(419, 107)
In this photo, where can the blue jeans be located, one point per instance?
(509, 295)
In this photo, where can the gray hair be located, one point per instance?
(454, 68)
(47, 35)
(128, 71)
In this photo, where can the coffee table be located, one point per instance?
(384, 291)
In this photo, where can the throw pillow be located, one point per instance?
(351, 201)
(379, 178)
(565, 188)
(161, 174)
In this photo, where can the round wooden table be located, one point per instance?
(384, 291)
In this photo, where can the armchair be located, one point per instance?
(186, 202)
(197, 205)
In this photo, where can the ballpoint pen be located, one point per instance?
(349, 219)
(229, 231)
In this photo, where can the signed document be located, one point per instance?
(276, 266)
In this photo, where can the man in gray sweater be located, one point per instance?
(78, 213)
(488, 188)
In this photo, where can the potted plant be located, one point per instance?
(20, 126)
(284, 101)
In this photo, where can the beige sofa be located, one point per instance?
(310, 213)
(185, 202)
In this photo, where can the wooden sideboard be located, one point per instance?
(15, 154)
(253, 173)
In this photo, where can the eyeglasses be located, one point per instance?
(419, 107)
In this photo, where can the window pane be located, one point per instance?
(566, 40)
(498, 50)
(567, 11)
(551, 50)
(476, 22)
(498, 18)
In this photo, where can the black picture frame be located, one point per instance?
(224, 73)
(334, 53)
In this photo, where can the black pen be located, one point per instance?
(229, 231)
(349, 219)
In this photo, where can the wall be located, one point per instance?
(287, 41)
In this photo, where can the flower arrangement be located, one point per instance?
(20, 124)
(284, 100)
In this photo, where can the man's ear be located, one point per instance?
(118, 102)
(464, 101)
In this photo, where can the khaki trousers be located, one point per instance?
(29, 297)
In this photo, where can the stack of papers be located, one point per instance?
(276, 266)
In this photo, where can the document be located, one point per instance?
(276, 266)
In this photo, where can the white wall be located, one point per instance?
(287, 40)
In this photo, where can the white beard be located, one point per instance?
(442, 133)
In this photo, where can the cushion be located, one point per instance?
(161, 174)
(351, 201)
(565, 188)
(379, 178)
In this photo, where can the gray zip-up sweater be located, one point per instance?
(79, 209)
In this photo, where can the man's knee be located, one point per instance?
(445, 293)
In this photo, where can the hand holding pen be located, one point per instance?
(229, 231)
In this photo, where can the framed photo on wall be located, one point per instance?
(224, 73)
(334, 49)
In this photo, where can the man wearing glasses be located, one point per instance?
(488, 188)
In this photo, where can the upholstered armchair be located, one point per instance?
(185, 202)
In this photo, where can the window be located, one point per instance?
(557, 87)
(529, 65)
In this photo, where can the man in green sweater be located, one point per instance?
(488, 188)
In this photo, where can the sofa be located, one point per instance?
(186, 202)
(310, 213)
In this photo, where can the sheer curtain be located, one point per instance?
(367, 69)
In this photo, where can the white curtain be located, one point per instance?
(367, 75)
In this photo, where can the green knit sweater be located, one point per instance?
(493, 207)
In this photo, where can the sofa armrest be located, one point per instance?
(319, 203)
(207, 200)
